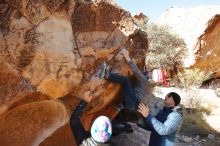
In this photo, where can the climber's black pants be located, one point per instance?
(130, 100)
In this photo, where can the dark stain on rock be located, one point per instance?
(90, 17)
(26, 56)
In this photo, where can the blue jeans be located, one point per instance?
(130, 100)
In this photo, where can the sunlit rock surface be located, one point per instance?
(209, 48)
(29, 124)
(52, 50)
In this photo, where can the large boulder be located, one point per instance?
(29, 124)
(52, 50)
(198, 26)
(209, 48)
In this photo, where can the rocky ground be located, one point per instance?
(140, 137)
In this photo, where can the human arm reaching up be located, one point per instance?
(140, 76)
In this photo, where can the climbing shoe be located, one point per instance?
(104, 70)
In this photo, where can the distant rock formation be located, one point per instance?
(50, 49)
(209, 48)
(199, 27)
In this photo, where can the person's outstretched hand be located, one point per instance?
(126, 54)
(144, 110)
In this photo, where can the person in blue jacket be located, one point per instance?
(164, 126)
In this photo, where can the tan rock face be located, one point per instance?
(209, 52)
(53, 48)
(21, 125)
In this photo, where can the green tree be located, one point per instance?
(192, 77)
(166, 49)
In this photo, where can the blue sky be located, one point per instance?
(154, 8)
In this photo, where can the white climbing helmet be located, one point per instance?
(101, 129)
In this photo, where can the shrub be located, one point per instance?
(192, 77)
(194, 122)
(165, 48)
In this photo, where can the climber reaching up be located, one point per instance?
(101, 129)
(141, 92)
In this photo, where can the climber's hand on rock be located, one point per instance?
(143, 109)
